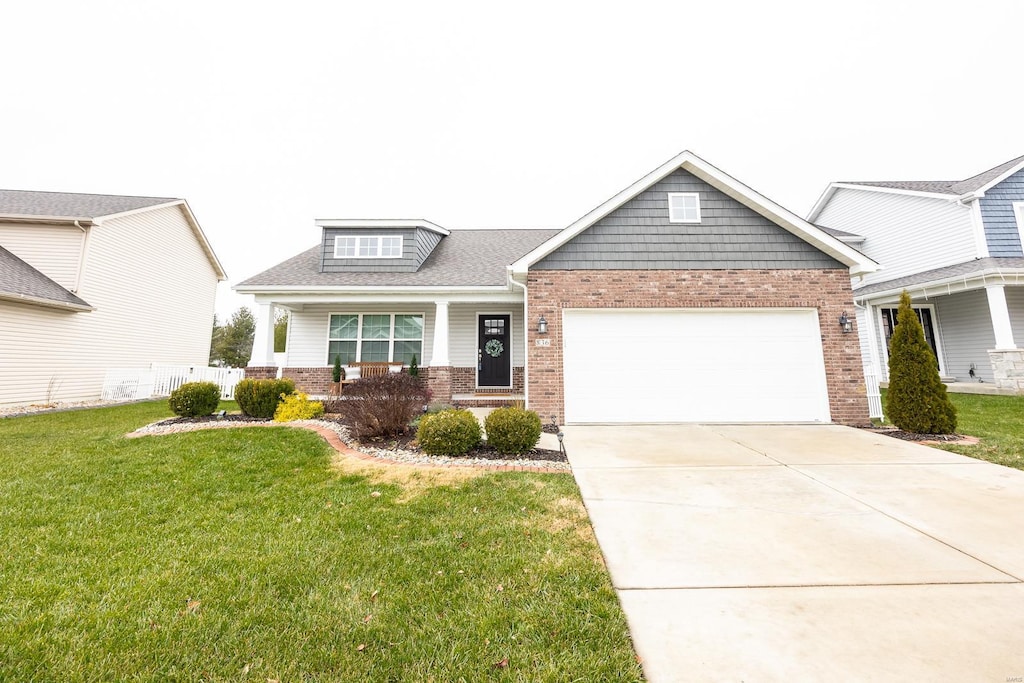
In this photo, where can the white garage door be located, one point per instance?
(709, 365)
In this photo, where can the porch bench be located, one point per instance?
(367, 369)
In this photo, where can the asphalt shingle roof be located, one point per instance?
(958, 270)
(463, 258)
(954, 187)
(20, 280)
(71, 204)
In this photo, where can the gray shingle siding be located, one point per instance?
(1001, 231)
(639, 236)
(417, 245)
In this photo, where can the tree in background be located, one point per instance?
(280, 331)
(916, 401)
(231, 345)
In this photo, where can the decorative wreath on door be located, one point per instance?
(494, 348)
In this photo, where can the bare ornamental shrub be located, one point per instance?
(194, 399)
(382, 406)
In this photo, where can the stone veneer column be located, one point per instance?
(1008, 368)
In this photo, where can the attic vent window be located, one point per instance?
(369, 246)
(683, 207)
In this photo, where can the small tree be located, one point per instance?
(414, 369)
(917, 400)
(232, 343)
(280, 331)
(336, 370)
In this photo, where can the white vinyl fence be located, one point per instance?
(161, 380)
(874, 393)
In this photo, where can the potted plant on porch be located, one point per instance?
(337, 374)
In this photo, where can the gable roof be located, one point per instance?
(32, 206)
(464, 258)
(72, 205)
(968, 189)
(22, 283)
(691, 163)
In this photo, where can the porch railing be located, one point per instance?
(874, 393)
(161, 380)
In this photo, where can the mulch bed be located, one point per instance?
(401, 442)
(924, 438)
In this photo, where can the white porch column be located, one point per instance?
(263, 340)
(1000, 316)
(439, 351)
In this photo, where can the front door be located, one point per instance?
(494, 351)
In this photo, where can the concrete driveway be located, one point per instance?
(800, 553)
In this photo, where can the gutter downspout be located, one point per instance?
(526, 338)
(83, 252)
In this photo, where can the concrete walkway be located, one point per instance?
(804, 553)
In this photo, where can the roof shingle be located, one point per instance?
(954, 187)
(71, 204)
(463, 258)
(19, 280)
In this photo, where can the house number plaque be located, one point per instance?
(542, 342)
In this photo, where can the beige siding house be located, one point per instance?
(90, 283)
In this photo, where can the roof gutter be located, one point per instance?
(950, 285)
(526, 334)
(48, 303)
(26, 218)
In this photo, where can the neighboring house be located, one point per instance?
(90, 283)
(686, 297)
(955, 246)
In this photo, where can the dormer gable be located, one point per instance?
(376, 245)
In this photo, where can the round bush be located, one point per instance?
(193, 399)
(449, 432)
(259, 397)
(512, 430)
(297, 406)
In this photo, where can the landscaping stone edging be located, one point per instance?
(329, 432)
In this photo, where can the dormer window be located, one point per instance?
(369, 246)
(683, 207)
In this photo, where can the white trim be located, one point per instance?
(143, 209)
(1018, 214)
(357, 246)
(440, 353)
(935, 334)
(826, 196)
(511, 350)
(947, 285)
(980, 192)
(691, 163)
(696, 199)
(360, 289)
(999, 314)
(378, 223)
(46, 303)
(391, 334)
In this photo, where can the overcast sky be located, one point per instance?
(480, 115)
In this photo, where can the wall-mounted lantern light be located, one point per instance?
(542, 326)
(845, 323)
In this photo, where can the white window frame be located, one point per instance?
(673, 216)
(355, 243)
(1018, 214)
(391, 334)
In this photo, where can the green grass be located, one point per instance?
(997, 420)
(249, 554)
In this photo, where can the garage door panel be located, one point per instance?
(733, 365)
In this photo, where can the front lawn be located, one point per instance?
(997, 420)
(258, 554)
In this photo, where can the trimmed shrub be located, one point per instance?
(259, 397)
(193, 399)
(512, 430)
(297, 406)
(449, 432)
(336, 371)
(382, 406)
(414, 368)
(916, 401)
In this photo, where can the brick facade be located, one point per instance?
(464, 382)
(261, 372)
(315, 381)
(827, 290)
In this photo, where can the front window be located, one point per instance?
(368, 246)
(924, 314)
(683, 207)
(375, 337)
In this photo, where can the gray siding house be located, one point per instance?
(686, 297)
(957, 247)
